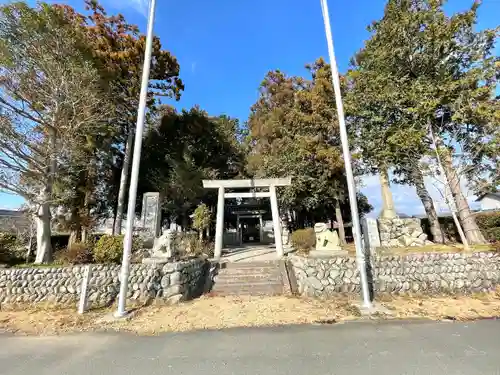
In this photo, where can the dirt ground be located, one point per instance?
(203, 313)
(228, 312)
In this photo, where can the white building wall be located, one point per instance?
(490, 202)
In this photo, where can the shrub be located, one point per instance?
(190, 244)
(488, 220)
(492, 234)
(109, 249)
(496, 246)
(304, 240)
(489, 223)
(201, 218)
(78, 253)
(92, 240)
(10, 248)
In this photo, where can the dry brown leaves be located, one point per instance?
(203, 313)
(229, 312)
(484, 305)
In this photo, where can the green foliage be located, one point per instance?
(181, 150)
(492, 234)
(488, 220)
(109, 249)
(202, 218)
(78, 253)
(422, 69)
(423, 72)
(293, 131)
(489, 223)
(304, 240)
(10, 248)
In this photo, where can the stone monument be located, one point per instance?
(402, 232)
(393, 230)
(285, 233)
(151, 213)
(388, 210)
(370, 234)
(327, 242)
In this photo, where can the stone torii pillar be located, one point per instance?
(270, 184)
(219, 226)
(278, 240)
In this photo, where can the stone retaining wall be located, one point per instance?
(171, 283)
(418, 273)
(399, 232)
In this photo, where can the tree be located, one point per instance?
(51, 95)
(184, 148)
(293, 131)
(423, 71)
(201, 219)
(119, 51)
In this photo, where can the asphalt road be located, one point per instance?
(354, 349)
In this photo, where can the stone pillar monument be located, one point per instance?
(388, 210)
(393, 230)
(151, 213)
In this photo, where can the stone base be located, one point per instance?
(373, 309)
(399, 232)
(156, 260)
(327, 253)
(112, 317)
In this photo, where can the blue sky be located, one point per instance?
(225, 48)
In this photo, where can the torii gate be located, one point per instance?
(269, 183)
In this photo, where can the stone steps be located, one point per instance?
(247, 272)
(248, 291)
(249, 278)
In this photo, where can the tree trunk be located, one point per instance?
(86, 207)
(43, 216)
(437, 232)
(75, 225)
(469, 225)
(30, 242)
(117, 227)
(185, 221)
(43, 232)
(340, 222)
(74, 237)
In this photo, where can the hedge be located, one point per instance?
(488, 222)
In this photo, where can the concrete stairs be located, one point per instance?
(249, 278)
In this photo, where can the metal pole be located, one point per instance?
(360, 257)
(132, 194)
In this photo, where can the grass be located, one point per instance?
(230, 312)
(32, 265)
(435, 248)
